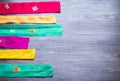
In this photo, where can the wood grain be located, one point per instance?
(89, 50)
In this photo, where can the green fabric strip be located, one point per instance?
(26, 70)
(30, 29)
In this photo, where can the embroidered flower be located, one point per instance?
(16, 69)
(32, 31)
(2, 41)
(7, 6)
(35, 8)
(12, 31)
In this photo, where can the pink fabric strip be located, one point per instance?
(29, 7)
(11, 42)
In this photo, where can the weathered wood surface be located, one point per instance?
(89, 49)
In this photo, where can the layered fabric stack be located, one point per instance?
(14, 47)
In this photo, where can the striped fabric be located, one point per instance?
(29, 7)
(30, 29)
(26, 70)
(28, 19)
(17, 54)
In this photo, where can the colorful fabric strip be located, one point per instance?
(30, 30)
(29, 7)
(28, 19)
(26, 70)
(11, 42)
(17, 54)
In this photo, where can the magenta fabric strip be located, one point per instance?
(12, 42)
(30, 7)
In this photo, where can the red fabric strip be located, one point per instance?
(29, 7)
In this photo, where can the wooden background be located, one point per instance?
(89, 49)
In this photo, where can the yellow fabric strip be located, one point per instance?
(17, 54)
(28, 19)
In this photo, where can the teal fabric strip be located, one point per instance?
(26, 70)
(30, 29)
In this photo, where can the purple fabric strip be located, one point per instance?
(12, 42)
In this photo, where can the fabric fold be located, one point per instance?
(26, 70)
(12, 42)
(28, 19)
(30, 29)
(18, 54)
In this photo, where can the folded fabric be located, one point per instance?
(11, 42)
(26, 70)
(17, 54)
(30, 30)
(28, 19)
(29, 7)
